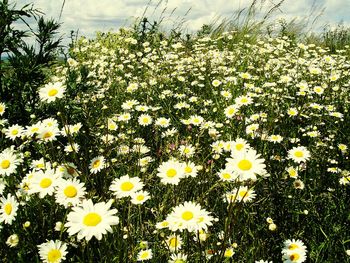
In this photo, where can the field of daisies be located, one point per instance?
(161, 149)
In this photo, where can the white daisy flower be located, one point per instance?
(53, 251)
(69, 192)
(126, 186)
(178, 258)
(14, 131)
(2, 108)
(173, 242)
(91, 219)
(97, 164)
(246, 164)
(52, 91)
(8, 210)
(299, 154)
(144, 255)
(139, 197)
(187, 150)
(241, 194)
(9, 162)
(189, 216)
(44, 182)
(145, 120)
(171, 172)
(162, 122)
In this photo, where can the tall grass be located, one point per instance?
(260, 19)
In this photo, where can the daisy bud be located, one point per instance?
(269, 220)
(144, 244)
(272, 227)
(58, 226)
(12, 240)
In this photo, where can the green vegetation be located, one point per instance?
(228, 145)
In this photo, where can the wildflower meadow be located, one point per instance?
(156, 148)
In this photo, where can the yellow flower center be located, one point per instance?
(45, 183)
(188, 215)
(292, 173)
(40, 165)
(5, 164)
(244, 100)
(187, 150)
(14, 132)
(126, 186)
(226, 176)
(70, 191)
(52, 92)
(294, 257)
(47, 135)
(54, 255)
(144, 255)
(293, 246)
(239, 146)
(231, 111)
(231, 197)
(140, 197)
(188, 169)
(171, 172)
(165, 224)
(96, 164)
(173, 242)
(243, 193)
(8, 208)
(245, 165)
(228, 253)
(299, 154)
(200, 219)
(92, 219)
(112, 126)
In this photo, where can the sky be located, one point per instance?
(89, 16)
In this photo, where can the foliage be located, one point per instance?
(123, 105)
(27, 65)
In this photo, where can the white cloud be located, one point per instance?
(90, 16)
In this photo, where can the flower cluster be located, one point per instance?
(155, 148)
(294, 251)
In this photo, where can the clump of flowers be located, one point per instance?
(157, 148)
(294, 251)
(189, 216)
